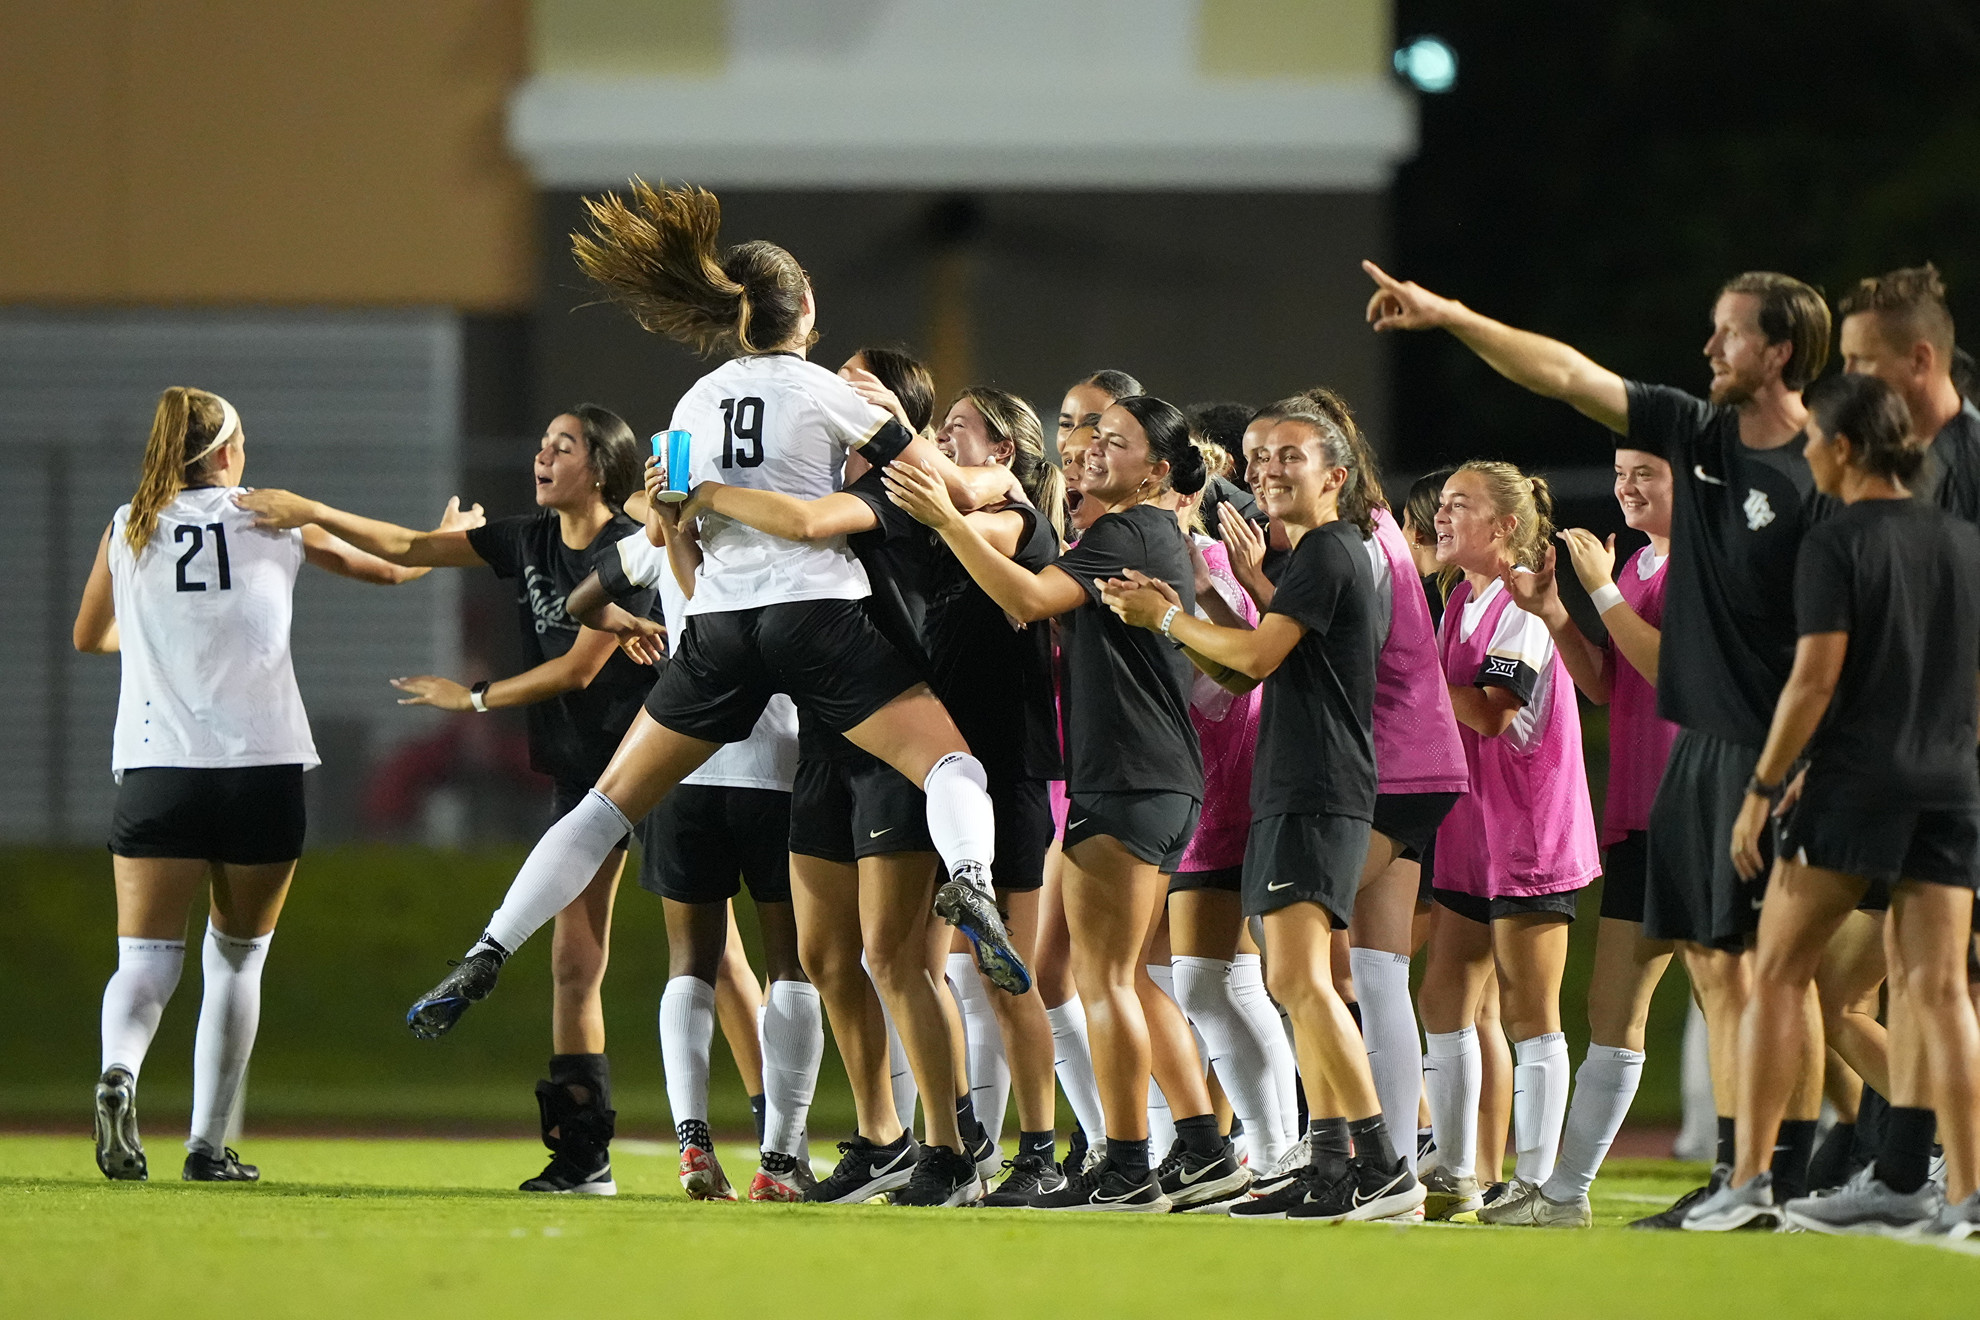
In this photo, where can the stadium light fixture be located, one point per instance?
(1429, 64)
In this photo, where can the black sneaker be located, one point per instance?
(1201, 1183)
(581, 1173)
(119, 1153)
(1105, 1188)
(434, 1013)
(1366, 1191)
(1030, 1176)
(985, 1153)
(967, 902)
(1296, 1185)
(224, 1167)
(941, 1177)
(1075, 1151)
(867, 1170)
(1283, 1174)
(1673, 1218)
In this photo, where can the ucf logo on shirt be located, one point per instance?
(1759, 510)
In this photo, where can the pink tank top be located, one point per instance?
(1526, 826)
(1639, 742)
(1227, 730)
(1416, 736)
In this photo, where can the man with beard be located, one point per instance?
(1742, 498)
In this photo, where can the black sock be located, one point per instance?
(758, 1111)
(1041, 1145)
(778, 1162)
(1792, 1147)
(1907, 1154)
(1727, 1152)
(1354, 1011)
(967, 1123)
(1199, 1135)
(1371, 1141)
(694, 1132)
(1330, 1143)
(1129, 1157)
(1299, 1099)
(1237, 1128)
(1872, 1117)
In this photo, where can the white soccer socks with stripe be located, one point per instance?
(793, 1046)
(134, 999)
(1603, 1090)
(229, 1013)
(1388, 1026)
(558, 868)
(1239, 1051)
(1453, 1070)
(983, 1038)
(1540, 1097)
(1248, 993)
(687, 1034)
(961, 823)
(1072, 1060)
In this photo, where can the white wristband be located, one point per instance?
(476, 697)
(1168, 619)
(1606, 597)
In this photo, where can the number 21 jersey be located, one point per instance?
(203, 634)
(775, 422)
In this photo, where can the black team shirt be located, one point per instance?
(1902, 578)
(572, 736)
(1950, 477)
(1127, 689)
(1316, 726)
(1737, 519)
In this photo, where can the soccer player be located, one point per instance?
(1621, 674)
(210, 745)
(1881, 704)
(1741, 499)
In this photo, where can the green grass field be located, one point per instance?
(346, 1227)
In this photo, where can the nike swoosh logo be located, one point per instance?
(882, 1170)
(1377, 1194)
(874, 834)
(1188, 1178)
(1698, 470)
(1075, 824)
(1114, 1199)
(1273, 889)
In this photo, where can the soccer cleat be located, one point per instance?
(1674, 1217)
(1030, 1176)
(702, 1177)
(434, 1013)
(941, 1177)
(1525, 1206)
(1105, 1189)
(1866, 1205)
(1445, 1194)
(119, 1153)
(1957, 1221)
(866, 1171)
(572, 1173)
(224, 1167)
(777, 1180)
(1197, 1184)
(1750, 1205)
(1367, 1191)
(967, 902)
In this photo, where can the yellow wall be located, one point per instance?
(1295, 38)
(174, 151)
(629, 36)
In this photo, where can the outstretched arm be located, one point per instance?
(1253, 652)
(1024, 595)
(566, 673)
(443, 547)
(1546, 366)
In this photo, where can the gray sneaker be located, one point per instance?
(1524, 1205)
(1957, 1221)
(1865, 1204)
(1750, 1205)
(1445, 1194)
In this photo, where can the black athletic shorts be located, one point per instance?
(243, 816)
(705, 841)
(858, 806)
(1156, 827)
(1024, 833)
(1230, 879)
(1485, 911)
(1624, 866)
(1411, 819)
(567, 794)
(1691, 891)
(826, 654)
(1302, 858)
(1425, 880)
(1837, 827)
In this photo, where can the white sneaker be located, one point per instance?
(1866, 1205)
(1750, 1205)
(1445, 1194)
(1524, 1205)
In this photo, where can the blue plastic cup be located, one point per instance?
(674, 448)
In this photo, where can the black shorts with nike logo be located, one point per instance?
(856, 806)
(1154, 826)
(1302, 858)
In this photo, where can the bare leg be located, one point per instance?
(825, 899)
(1174, 1062)
(1053, 968)
(1111, 898)
(1021, 1018)
(1935, 1037)
(895, 892)
(580, 945)
(1851, 972)
(738, 1000)
(1495, 1091)
(1301, 976)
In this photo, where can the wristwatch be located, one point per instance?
(478, 696)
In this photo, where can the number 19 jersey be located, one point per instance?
(773, 422)
(203, 633)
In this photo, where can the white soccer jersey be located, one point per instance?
(203, 628)
(768, 757)
(773, 422)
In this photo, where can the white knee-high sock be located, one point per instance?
(1388, 1026)
(793, 1045)
(687, 1031)
(1453, 1070)
(1073, 1062)
(558, 868)
(989, 1070)
(1603, 1089)
(135, 998)
(1698, 1138)
(1248, 993)
(229, 1012)
(1540, 1096)
(1162, 1119)
(901, 1074)
(1238, 1050)
(960, 820)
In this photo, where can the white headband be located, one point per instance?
(230, 425)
